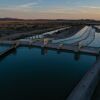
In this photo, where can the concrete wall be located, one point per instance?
(85, 88)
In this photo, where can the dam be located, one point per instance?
(35, 68)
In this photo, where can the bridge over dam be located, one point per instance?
(66, 48)
(9, 50)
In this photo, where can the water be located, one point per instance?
(28, 74)
(82, 34)
(2, 48)
(85, 37)
(46, 33)
(89, 39)
(96, 42)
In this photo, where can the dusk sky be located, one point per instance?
(50, 9)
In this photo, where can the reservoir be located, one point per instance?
(36, 74)
(3, 48)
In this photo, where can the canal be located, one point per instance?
(3, 48)
(36, 74)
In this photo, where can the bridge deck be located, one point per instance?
(73, 48)
(7, 51)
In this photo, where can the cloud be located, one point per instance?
(63, 10)
(36, 10)
(28, 5)
(22, 7)
(90, 7)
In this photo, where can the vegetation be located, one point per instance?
(22, 28)
(18, 28)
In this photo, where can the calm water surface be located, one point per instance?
(2, 48)
(27, 74)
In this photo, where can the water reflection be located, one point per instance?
(77, 56)
(58, 51)
(44, 51)
(28, 74)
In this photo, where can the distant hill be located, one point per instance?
(10, 19)
(67, 20)
(61, 21)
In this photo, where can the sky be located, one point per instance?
(50, 9)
